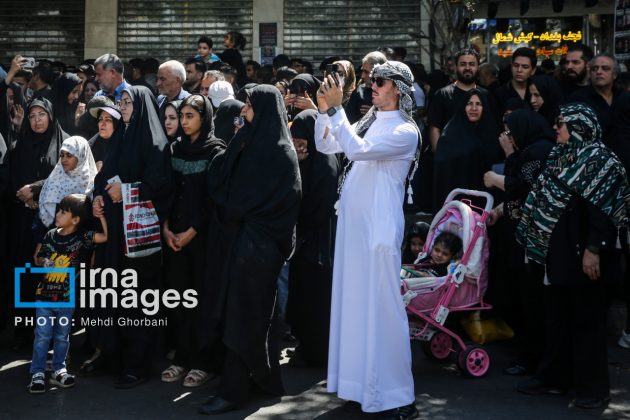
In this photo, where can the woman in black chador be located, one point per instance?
(466, 149)
(255, 186)
(310, 272)
(184, 232)
(136, 154)
(35, 155)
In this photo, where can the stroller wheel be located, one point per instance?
(474, 361)
(439, 347)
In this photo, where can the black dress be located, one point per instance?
(31, 161)
(137, 153)
(224, 119)
(310, 270)
(185, 269)
(465, 151)
(255, 185)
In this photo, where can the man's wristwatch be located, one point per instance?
(333, 110)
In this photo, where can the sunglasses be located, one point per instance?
(559, 121)
(378, 81)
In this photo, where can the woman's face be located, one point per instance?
(250, 72)
(190, 119)
(10, 97)
(227, 41)
(536, 99)
(68, 161)
(562, 131)
(105, 125)
(248, 112)
(39, 119)
(301, 147)
(281, 89)
(89, 92)
(171, 121)
(474, 109)
(73, 96)
(126, 107)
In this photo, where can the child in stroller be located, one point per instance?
(455, 287)
(445, 248)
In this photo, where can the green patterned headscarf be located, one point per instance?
(584, 167)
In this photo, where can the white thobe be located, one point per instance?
(369, 358)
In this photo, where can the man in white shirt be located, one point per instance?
(369, 354)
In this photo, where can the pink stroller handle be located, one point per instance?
(473, 193)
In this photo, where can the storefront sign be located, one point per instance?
(524, 38)
(540, 52)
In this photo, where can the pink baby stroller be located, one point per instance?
(429, 300)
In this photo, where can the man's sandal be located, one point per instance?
(173, 373)
(195, 378)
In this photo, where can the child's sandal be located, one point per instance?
(173, 373)
(195, 378)
(63, 379)
(38, 384)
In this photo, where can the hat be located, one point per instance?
(105, 104)
(220, 91)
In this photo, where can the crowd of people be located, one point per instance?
(280, 193)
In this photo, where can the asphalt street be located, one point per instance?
(441, 393)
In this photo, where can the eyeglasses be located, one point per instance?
(378, 81)
(559, 121)
(37, 116)
(65, 155)
(507, 133)
(125, 103)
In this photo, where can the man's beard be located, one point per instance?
(575, 77)
(467, 78)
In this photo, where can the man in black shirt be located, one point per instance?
(523, 67)
(601, 94)
(578, 57)
(450, 98)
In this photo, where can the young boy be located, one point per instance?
(204, 50)
(68, 245)
(445, 247)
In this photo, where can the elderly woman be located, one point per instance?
(35, 155)
(569, 224)
(135, 154)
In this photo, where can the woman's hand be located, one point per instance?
(25, 194)
(590, 265)
(169, 237)
(97, 207)
(495, 214)
(79, 112)
(489, 179)
(18, 116)
(304, 102)
(184, 238)
(507, 144)
(114, 191)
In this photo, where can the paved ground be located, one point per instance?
(442, 393)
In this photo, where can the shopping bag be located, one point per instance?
(141, 224)
(483, 331)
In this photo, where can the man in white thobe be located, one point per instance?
(369, 358)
